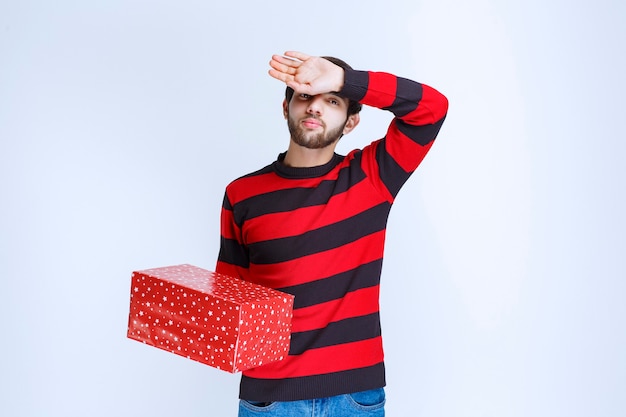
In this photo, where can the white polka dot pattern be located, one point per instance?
(224, 322)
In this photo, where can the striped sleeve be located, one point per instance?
(419, 112)
(233, 258)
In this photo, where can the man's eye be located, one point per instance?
(334, 102)
(305, 96)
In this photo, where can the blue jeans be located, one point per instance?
(366, 404)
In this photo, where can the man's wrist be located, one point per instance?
(341, 79)
(354, 84)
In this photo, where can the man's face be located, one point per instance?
(316, 122)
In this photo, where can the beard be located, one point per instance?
(312, 140)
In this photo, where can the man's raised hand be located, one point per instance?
(307, 74)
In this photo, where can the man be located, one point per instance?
(313, 224)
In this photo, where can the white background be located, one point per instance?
(121, 122)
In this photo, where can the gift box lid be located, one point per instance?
(221, 286)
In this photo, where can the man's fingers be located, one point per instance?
(298, 55)
(285, 61)
(283, 66)
(290, 81)
(280, 75)
(286, 68)
(283, 69)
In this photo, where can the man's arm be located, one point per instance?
(233, 257)
(419, 112)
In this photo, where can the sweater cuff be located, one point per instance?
(355, 84)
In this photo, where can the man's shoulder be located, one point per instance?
(248, 183)
(263, 171)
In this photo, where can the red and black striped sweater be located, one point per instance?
(318, 233)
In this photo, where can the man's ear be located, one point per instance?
(351, 123)
(285, 109)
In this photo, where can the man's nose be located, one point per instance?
(315, 105)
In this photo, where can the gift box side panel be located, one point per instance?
(265, 331)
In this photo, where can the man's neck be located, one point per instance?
(301, 157)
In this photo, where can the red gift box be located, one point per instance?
(224, 322)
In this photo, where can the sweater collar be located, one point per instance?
(304, 172)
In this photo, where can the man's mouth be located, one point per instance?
(311, 123)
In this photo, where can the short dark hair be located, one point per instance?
(353, 106)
